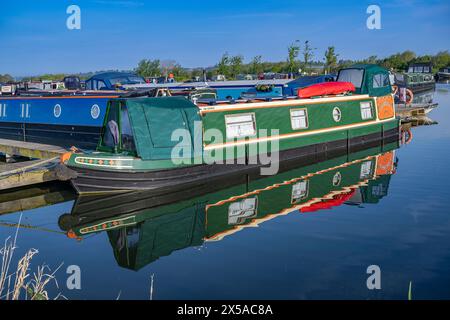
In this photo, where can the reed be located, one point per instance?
(21, 283)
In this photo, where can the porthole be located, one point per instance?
(57, 111)
(337, 115)
(95, 111)
(337, 178)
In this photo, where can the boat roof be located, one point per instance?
(419, 64)
(112, 74)
(374, 68)
(235, 83)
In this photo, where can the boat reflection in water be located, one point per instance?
(143, 226)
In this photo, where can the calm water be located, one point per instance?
(309, 238)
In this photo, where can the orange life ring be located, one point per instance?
(395, 88)
(411, 96)
(406, 132)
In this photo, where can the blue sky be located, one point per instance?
(116, 34)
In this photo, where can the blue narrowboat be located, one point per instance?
(63, 120)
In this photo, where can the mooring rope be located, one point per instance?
(23, 169)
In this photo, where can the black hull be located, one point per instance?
(96, 181)
(422, 87)
(443, 78)
(83, 137)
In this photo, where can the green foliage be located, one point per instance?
(148, 68)
(179, 72)
(331, 60)
(398, 61)
(256, 66)
(293, 52)
(231, 66)
(223, 67)
(236, 65)
(6, 78)
(308, 54)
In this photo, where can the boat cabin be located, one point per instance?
(420, 67)
(143, 127)
(368, 79)
(112, 80)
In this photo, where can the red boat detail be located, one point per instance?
(325, 88)
(329, 203)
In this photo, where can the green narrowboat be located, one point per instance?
(142, 226)
(154, 143)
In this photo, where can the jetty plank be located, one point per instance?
(30, 149)
(21, 174)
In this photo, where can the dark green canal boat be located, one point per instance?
(154, 143)
(144, 226)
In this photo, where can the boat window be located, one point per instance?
(126, 131)
(299, 119)
(240, 125)
(354, 76)
(299, 191)
(89, 85)
(101, 85)
(366, 168)
(242, 210)
(134, 79)
(111, 129)
(426, 69)
(411, 69)
(366, 110)
(380, 80)
(119, 80)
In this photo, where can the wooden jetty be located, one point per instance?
(30, 149)
(20, 174)
(413, 111)
(43, 168)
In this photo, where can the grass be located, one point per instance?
(21, 284)
(410, 291)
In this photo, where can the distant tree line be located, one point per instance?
(6, 78)
(299, 60)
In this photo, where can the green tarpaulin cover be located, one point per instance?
(155, 121)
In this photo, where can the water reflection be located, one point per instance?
(142, 227)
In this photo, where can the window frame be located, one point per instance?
(361, 105)
(306, 118)
(252, 114)
(303, 197)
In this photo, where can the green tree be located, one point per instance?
(293, 52)
(6, 78)
(180, 73)
(308, 54)
(398, 61)
(371, 60)
(331, 59)
(148, 68)
(236, 65)
(441, 60)
(256, 66)
(223, 67)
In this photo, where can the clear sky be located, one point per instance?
(116, 34)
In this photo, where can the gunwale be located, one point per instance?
(283, 103)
